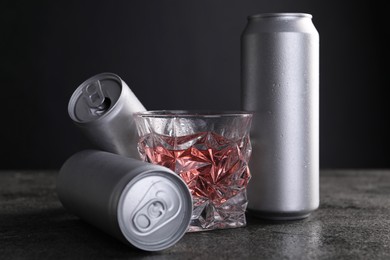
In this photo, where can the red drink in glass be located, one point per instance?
(215, 170)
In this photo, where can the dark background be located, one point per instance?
(182, 55)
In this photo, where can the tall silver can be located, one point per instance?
(145, 205)
(102, 107)
(280, 84)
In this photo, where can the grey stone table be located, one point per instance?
(353, 222)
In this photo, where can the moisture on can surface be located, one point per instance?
(280, 84)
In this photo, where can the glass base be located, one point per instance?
(208, 216)
(197, 227)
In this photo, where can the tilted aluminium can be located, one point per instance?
(280, 84)
(144, 205)
(102, 107)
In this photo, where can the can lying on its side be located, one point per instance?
(102, 107)
(145, 205)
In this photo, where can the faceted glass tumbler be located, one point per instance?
(210, 152)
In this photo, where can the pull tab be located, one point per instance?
(97, 102)
(149, 216)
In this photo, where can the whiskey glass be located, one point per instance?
(210, 151)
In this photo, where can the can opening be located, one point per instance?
(97, 102)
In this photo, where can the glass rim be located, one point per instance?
(193, 113)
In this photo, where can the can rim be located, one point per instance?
(270, 15)
(76, 94)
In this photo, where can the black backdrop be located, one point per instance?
(182, 55)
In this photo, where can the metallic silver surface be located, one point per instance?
(280, 84)
(142, 204)
(102, 107)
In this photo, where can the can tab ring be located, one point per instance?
(97, 102)
(150, 215)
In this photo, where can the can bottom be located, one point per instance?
(279, 216)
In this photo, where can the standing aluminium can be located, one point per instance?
(280, 84)
(102, 107)
(145, 205)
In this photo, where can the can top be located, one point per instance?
(95, 97)
(282, 15)
(155, 209)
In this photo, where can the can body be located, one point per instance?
(280, 84)
(102, 107)
(144, 205)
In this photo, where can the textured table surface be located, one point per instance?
(353, 222)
